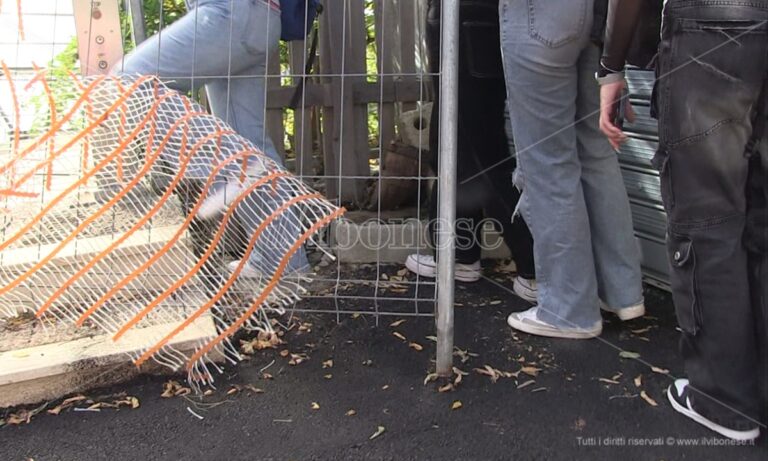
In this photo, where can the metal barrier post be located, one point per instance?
(135, 9)
(449, 86)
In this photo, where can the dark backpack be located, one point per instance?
(297, 18)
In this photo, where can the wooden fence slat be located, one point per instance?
(349, 122)
(356, 50)
(302, 118)
(328, 119)
(274, 120)
(386, 51)
(335, 102)
(407, 38)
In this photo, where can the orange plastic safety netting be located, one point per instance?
(133, 209)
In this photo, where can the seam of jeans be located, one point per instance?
(686, 4)
(705, 223)
(698, 136)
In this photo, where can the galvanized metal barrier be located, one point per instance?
(642, 180)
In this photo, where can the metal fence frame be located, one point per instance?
(446, 181)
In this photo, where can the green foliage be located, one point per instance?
(60, 84)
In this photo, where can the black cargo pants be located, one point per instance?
(711, 73)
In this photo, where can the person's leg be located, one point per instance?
(468, 213)
(704, 172)
(615, 249)
(190, 52)
(541, 44)
(241, 102)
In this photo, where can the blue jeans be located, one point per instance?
(223, 45)
(574, 199)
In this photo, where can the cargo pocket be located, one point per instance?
(684, 288)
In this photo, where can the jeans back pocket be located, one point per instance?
(558, 22)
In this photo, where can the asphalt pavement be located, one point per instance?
(348, 389)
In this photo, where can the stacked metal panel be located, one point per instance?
(642, 180)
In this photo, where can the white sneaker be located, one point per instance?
(526, 289)
(682, 404)
(528, 322)
(217, 202)
(248, 271)
(425, 266)
(625, 313)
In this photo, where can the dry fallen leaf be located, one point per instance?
(315, 406)
(456, 405)
(328, 376)
(531, 371)
(662, 371)
(328, 363)
(267, 376)
(617, 376)
(398, 336)
(385, 387)
(379, 430)
(296, 359)
(448, 387)
(77, 398)
(641, 330)
(182, 391)
(639, 381)
(254, 389)
(629, 355)
(416, 346)
(432, 338)
(526, 384)
(264, 340)
(580, 424)
(208, 392)
(493, 373)
(232, 391)
(608, 381)
(397, 323)
(56, 410)
(284, 353)
(464, 355)
(648, 399)
(350, 412)
(430, 377)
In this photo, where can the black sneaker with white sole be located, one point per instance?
(681, 402)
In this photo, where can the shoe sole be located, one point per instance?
(524, 292)
(724, 431)
(551, 333)
(627, 313)
(424, 270)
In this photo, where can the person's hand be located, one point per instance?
(610, 94)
